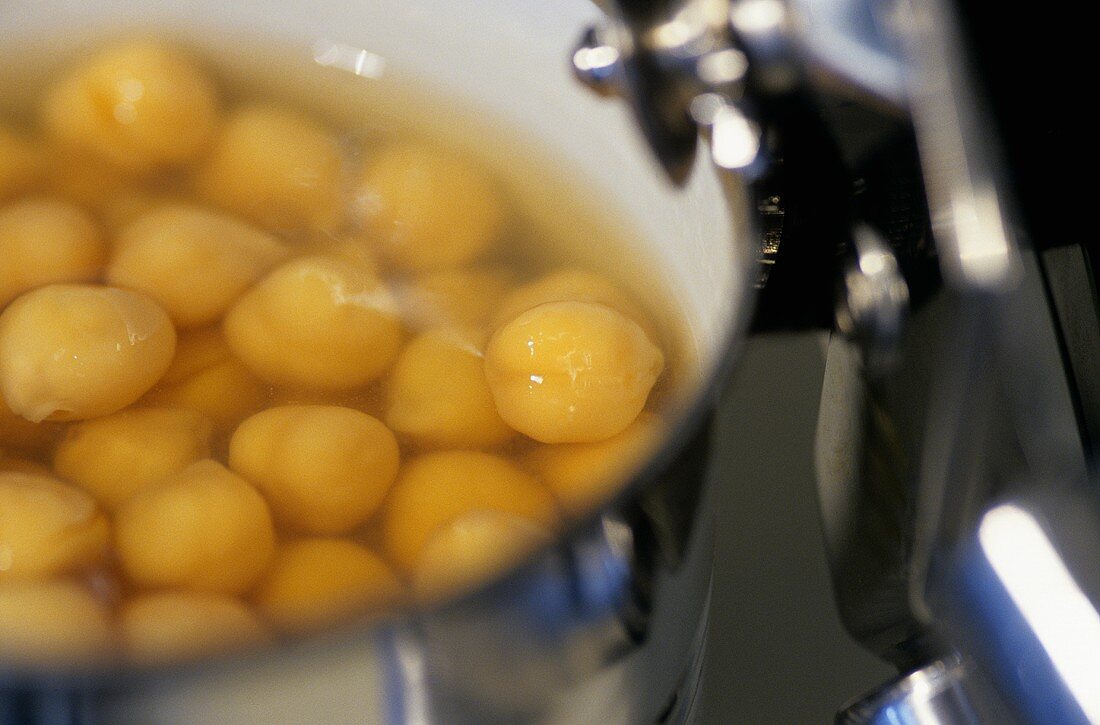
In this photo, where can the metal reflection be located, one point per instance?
(359, 61)
(1059, 614)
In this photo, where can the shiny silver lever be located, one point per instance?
(706, 65)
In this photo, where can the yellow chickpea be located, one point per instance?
(202, 528)
(324, 469)
(21, 164)
(139, 105)
(437, 488)
(430, 209)
(47, 527)
(571, 372)
(44, 241)
(320, 323)
(453, 297)
(437, 393)
(586, 475)
(19, 433)
(472, 550)
(193, 261)
(277, 168)
(204, 376)
(117, 455)
(69, 352)
(571, 285)
(315, 582)
(353, 248)
(175, 626)
(52, 624)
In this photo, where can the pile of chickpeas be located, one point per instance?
(253, 384)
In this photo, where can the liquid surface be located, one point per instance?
(272, 362)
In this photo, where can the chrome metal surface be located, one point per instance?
(1021, 594)
(714, 63)
(597, 61)
(941, 693)
(856, 46)
(966, 190)
(874, 302)
(735, 139)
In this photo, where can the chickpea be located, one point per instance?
(585, 475)
(47, 527)
(204, 376)
(21, 164)
(174, 626)
(321, 323)
(453, 296)
(472, 550)
(437, 488)
(19, 433)
(437, 393)
(139, 105)
(280, 169)
(429, 208)
(44, 241)
(324, 469)
(352, 248)
(115, 456)
(69, 352)
(571, 372)
(194, 262)
(315, 582)
(202, 528)
(571, 285)
(52, 624)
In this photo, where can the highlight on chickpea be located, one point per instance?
(262, 374)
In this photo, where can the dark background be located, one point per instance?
(776, 651)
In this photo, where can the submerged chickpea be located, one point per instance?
(585, 475)
(471, 550)
(180, 625)
(117, 455)
(437, 488)
(205, 377)
(47, 527)
(571, 372)
(139, 105)
(43, 241)
(315, 582)
(276, 167)
(437, 392)
(453, 296)
(429, 208)
(320, 322)
(21, 164)
(324, 468)
(69, 352)
(193, 261)
(571, 285)
(52, 623)
(202, 528)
